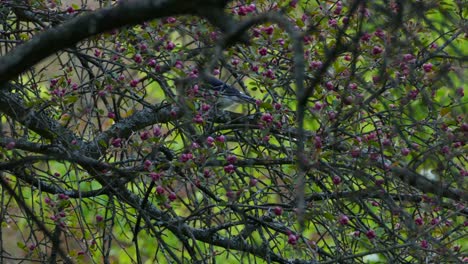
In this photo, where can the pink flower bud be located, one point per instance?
(160, 190)
(229, 168)
(292, 239)
(344, 220)
(278, 210)
(427, 67)
(371, 234)
(11, 145)
(172, 196)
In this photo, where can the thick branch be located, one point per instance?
(39, 122)
(127, 13)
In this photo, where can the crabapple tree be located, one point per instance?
(113, 150)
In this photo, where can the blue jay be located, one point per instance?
(227, 95)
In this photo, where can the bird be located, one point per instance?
(226, 94)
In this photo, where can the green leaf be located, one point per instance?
(329, 216)
(21, 245)
(70, 99)
(299, 22)
(266, 105)
(102, 143)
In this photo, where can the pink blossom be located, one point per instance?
(336, 180)
(179, 64)
(329, 85)
(172, 196)
(11, 145)
(318, 142)
(338, 8)
(333, 22)
(267, 118)
(379, 33)
(355, 153)
(229, 168)
(424, 244)
(206, 173)
(147, 164)
(70, 10)
(137, 58)
(405, 151)
(152, 62)
(160, 190)
(268, 30)
(256, 32)
(116, 142)
(377, 50)
(278, 210)
(427, 67)
(186, 157)
(263, 51)
(352, 86)
(144, 135)
(134, 83)
(292, 239)
(63, 196)
(171, 20)
(170, 45)
(408, 57)
(253, 182)
(269, 74)
(156, 131)
(344, 220)
(371, 234)
(419, 221)
(318, 106)
(155, 176)
(315, 64)
(231, 159)
(413, 94)
(210, 141)
(365, 37)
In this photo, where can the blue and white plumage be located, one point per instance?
(227, 95)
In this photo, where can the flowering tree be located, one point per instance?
(113, 150)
